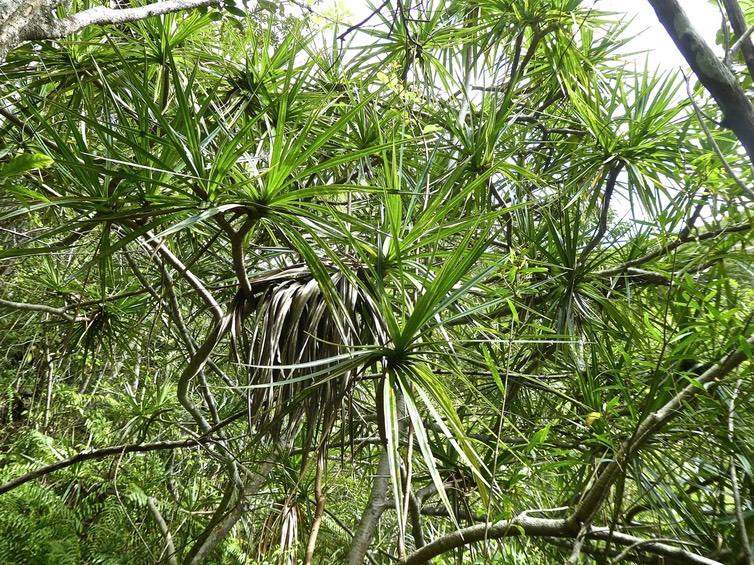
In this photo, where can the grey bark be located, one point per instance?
(711, 72)
(524, 525)
(24, 20)
(225, 525)
(579, 521)
(371, 515)
(169, 547)
(653, 423)
(738, 23)
(100, 454)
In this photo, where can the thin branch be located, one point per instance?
(738, 23)
(231, 487)
(170, 258)
(169, 547)
(618, 558)
(354, 27)
(694, 215)
(739, 511)
(27, 129)
(601, 552)
(173, 308)
(738, 44)
(197, 555)
(728, 169)
(653, 423)
(575, 557)
(320, 497)
(42, 308)
(196, 364)
(91, 454)
(612, 179)
(641, 276)
(682, 238)
(169, 307)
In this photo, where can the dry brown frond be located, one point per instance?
(293, 330)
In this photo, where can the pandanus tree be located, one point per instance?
(458, 283)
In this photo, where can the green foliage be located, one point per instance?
(23, 163)
(471, 237)
(37, 527)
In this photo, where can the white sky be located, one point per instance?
(652, 36)
(651, 43)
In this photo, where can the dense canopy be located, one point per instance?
(464, 282)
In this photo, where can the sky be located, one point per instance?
(651, 43)
(652, 36)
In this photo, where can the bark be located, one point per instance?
(649, 427)
(538, 527)
(611, 180)
(169, 547)
(35, 20)
(193, 368)
(98, 454)
(62, 312)
(682, 238)
(711, 72)
(738, 23)
(371, 516)
(320, 497)
(416, 520)
(579, 522)
(225, 525)
(93, 454)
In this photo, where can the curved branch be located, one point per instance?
(195, 365)
(744, 43)
(169, 546)
(711, 139)
(99, 454)
(523, 525)
(92, 454)
(224, 526)
(612, 179)
(173, 312)
(27, 129)
(238, 252)
(41, 308)
(169, 257)
(354, 27)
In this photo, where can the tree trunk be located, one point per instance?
(371, 516)
(711, 72)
